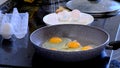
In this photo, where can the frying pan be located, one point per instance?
(82, 33)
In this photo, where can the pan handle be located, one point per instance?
(114, 45)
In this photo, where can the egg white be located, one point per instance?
(57, 46)
(62, 46)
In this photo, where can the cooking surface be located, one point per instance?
(20, 54)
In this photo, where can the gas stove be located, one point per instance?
(101, 61)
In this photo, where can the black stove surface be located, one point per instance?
(100, 61)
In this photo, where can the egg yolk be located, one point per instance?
(55, 40)
(53, 49)
(73, 44)
(86, 47)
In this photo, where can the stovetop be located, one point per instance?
(21, 54)
(101, 61)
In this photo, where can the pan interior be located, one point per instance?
(86, 35)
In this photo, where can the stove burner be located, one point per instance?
(100, 61)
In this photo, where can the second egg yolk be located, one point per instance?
(73, 44)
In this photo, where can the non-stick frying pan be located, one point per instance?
(82, 33)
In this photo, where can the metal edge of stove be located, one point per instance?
(6, 6)
(3, 1)
(116, 39)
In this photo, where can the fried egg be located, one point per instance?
(65, 44)
(72, 46)
(56, 43)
